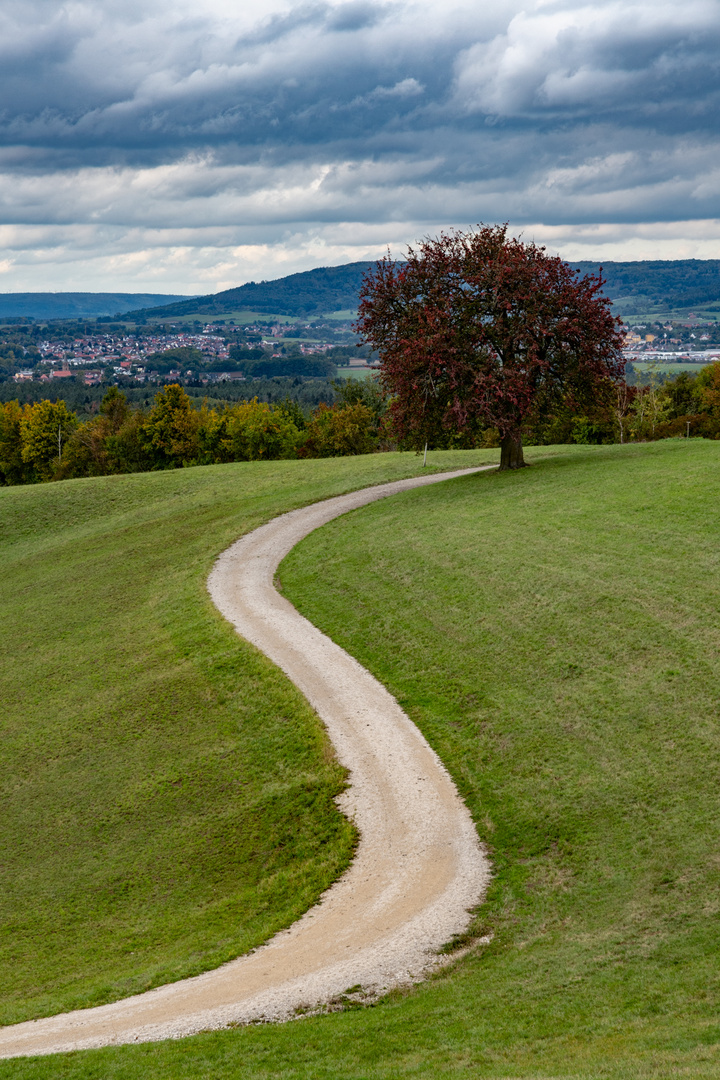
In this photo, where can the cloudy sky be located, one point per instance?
(189, 147)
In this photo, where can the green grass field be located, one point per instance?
(240, 316)
(670, 369)
(245, 315)
(352, 373)
(553, 632)
(165, 793)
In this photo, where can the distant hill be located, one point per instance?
(313, 292)
(77, 305)
(634, 287)
(660, 285)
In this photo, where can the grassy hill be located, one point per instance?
(553, 632)
(165, 794)
(634, 287)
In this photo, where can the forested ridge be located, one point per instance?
(76, 305)
(674, 283)
(671, 282)
(327, 289)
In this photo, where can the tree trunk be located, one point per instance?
(511, 453)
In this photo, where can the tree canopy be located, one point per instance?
(478, 329)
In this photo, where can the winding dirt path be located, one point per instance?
(418, 868)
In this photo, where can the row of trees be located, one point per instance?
(45, 441)
(686, 404)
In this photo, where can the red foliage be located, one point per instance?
(479, 328)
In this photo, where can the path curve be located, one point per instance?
(418, 868)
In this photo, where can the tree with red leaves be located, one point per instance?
(478, 329)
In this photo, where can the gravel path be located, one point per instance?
(418, 867)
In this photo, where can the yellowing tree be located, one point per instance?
(45, 429)
(87, 450)
(708, 384)
(340, 432)
(13, 470)
(255, 430)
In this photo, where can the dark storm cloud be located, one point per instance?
(113, 91)
(359, 111)
(657, 67)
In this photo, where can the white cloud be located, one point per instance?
(622, 242)
(97, 259)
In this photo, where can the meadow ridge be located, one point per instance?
(167, 795)
(553, 633)
(418, 870)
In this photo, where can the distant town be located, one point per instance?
(216, 352)
(96, 356)
(293, 335)
(654, 346)
(197, 355)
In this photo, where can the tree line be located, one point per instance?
(686, 404)
(44, 440)
(484, 340)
